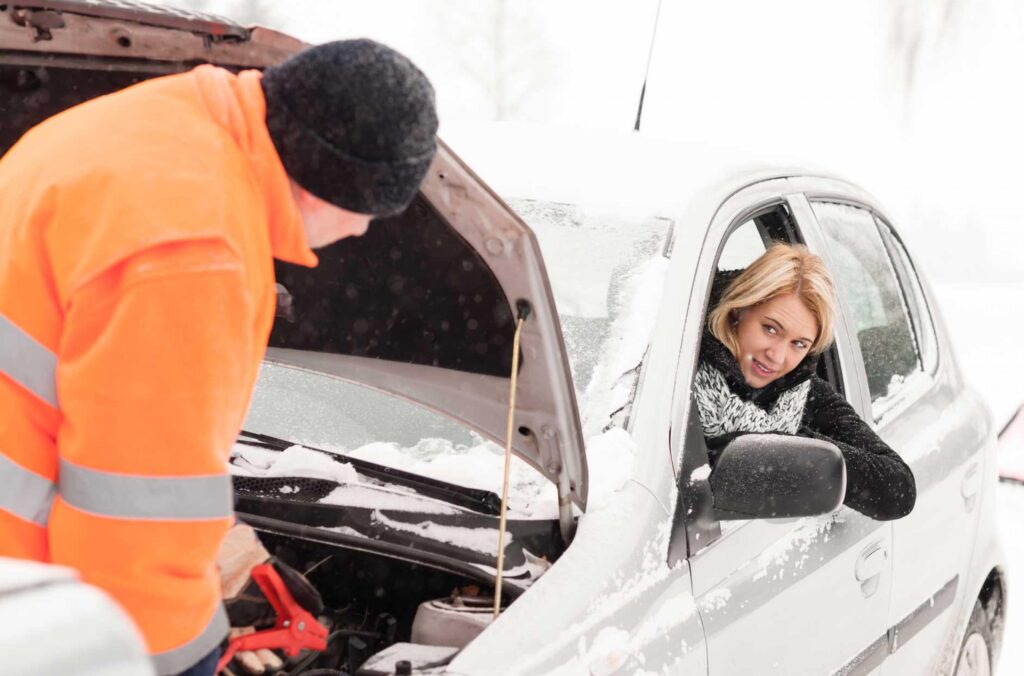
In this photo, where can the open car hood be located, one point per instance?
(423, 307)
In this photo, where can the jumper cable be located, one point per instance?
(295, 629)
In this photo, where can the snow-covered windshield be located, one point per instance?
(606, 271)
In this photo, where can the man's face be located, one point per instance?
(325, 223)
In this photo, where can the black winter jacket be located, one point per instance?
(878, 483)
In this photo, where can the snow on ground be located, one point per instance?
(984, 321)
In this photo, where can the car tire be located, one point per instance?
(976, 658)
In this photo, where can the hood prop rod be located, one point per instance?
(523, 308)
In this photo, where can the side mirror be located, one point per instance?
(773, 476)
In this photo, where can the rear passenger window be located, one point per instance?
(868, 283)
(913, 294)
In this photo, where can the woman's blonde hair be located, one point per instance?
(783, 268)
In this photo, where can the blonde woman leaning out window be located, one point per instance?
(765, 332)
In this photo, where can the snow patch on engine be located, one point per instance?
(376, 497)
(481, 540)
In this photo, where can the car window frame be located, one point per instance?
(715, 560)
(692, 531)
(891, 237)
(879, 416)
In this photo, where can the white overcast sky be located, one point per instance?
(820, 79)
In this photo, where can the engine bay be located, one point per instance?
(373, 607)
(402, 592)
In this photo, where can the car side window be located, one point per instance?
(913, 294)
(752, 237)
(742, 248)
(745, 242)
(867, 281)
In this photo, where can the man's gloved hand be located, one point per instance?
(253, 662)
(246, 606)
(240, 552)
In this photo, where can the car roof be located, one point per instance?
(618, 169)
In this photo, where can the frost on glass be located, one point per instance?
(606, 270)
(917, 305)
(867, 282)
(322, 411)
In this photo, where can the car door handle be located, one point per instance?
(971, 483)
(870, 564)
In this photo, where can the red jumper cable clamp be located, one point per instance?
(296, 628)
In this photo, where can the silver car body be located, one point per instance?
(645, 586)
(53, 623)
(836, 593)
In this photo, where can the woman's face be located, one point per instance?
(774, 337)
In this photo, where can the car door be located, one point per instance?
(919, 407)
(783, 596)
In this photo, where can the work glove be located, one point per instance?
(240, 552)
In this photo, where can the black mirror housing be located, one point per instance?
(774, 476)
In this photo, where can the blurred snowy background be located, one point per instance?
(920, 102)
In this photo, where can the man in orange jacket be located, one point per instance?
(137, 294)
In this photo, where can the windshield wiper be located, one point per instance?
(476, 499)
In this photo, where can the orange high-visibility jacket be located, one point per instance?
(137, 233)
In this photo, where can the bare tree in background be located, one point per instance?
(501, 47)
(918, 29)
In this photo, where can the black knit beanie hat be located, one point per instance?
(354, 123)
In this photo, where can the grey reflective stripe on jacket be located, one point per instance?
(123, 496)
(29, 496)
(24, 493)
(128, 496)
(32, 365)
(179, 659)
(28, 362)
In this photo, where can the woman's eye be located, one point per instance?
(769, 329)
(800, 344)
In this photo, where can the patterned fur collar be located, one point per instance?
(723, 412)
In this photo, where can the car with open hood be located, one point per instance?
(372, 456)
